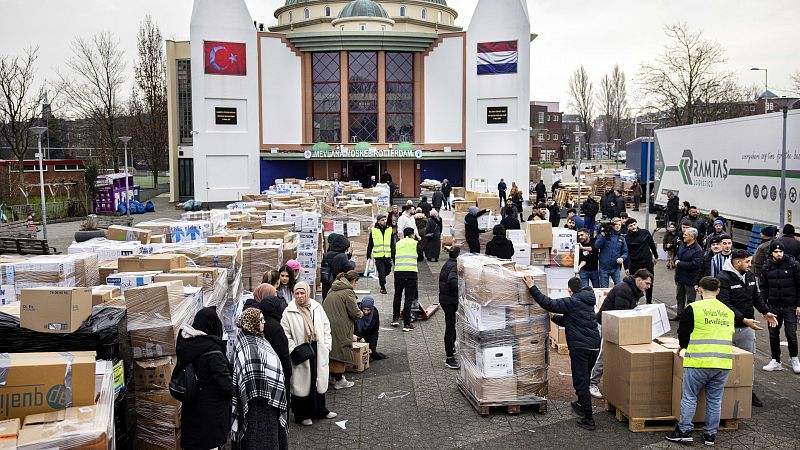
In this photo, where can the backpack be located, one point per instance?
(183, 384)
(325, 272)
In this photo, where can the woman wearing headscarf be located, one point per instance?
(305, 322)
(260, 404)
(341, 307)
(368, 327)
(433, 237)
(206, 421)
(272, 309)
(261, 292)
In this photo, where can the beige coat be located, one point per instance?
(295, 330)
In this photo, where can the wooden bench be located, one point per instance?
(25, 246)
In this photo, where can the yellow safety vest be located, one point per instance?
(381, 243)
(405, 255)
(711, 342)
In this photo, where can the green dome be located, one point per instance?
(363, 8)
(363, 146)
(321, 147)
(405, 146)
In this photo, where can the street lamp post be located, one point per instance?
(766, 85)
(616, 150)
(38, 131)
(784, 104)
(124, 140)
(578, 136)
(649, 126)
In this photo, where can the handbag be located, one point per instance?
(302, 353)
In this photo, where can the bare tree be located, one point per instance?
(148, 102)
(93, 92)
(686, 76)
(581, 90)
(20, 103)
(796, 83)
(613, 99)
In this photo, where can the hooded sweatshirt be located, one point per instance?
(336, 257)
(578, 316)
(739, 293)
(500, 247)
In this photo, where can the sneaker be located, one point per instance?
(773, 366)
(757, 402)
(408, 327)
(383, 291)
(594, 391)
(379, 356)
(331, 415)
(709, 439)
(587, 423)
(796, 365)
(577, 408)
(452, 363)
(395, 322)
(679, 436)
(307, 422)
(342, 384)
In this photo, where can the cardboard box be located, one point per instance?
(55, 310)
(484, 318)
(68, 428)
(516, 236)
(562, 258)
(540, 256)
(740, 375)
(163, 262)
(153, 374)
(490, 203)
(530, 352)
(119, 233)
(8, 434)
(638, 379)
(8, 294)
(558, 334)
(658, 311)
(157, 239)
(496, 362)
(522, 254)
(224, 239)
(627, 327)
(668, 342)
(104, 293)
(127, 280)
(270, 234)
(107, 268)
(360, 361)
(737, 402)
(34, 382)
(188, 279)
(564, 239)
(600, 295)
(490, 389)
(463, 206)
(539, 233)
(206, 272)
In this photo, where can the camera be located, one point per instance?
(606, 226)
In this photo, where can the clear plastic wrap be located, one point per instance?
(501, 332)
(44, 271)
(156, 313)
(107, 250)
(259, 257)
(158, 424)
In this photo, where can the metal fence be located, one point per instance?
(55, 210)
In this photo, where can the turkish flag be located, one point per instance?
(225, 58)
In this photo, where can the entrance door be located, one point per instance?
(185, 177)
(363, 170)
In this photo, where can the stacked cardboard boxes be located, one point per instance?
(502, 334)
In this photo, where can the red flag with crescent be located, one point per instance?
(225, 58)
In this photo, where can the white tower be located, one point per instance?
(498, 93)
(224, 100)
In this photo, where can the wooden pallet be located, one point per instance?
(511, 407)
(666, 423)
(561, 349)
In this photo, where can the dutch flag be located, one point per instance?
(497, 58)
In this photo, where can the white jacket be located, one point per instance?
(295, 330)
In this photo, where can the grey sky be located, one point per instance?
(597, 34)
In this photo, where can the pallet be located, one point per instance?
(666, 423)
(561, 349)
(511, 407)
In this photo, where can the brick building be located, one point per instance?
(546, 131)
(57, 174)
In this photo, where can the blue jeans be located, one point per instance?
(615, 274)
(587, 276)
(694, 380)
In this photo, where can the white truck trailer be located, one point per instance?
(733, 166)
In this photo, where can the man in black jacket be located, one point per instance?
(791, 244)
(590, 209)
(607, 204)
(583, 339)
(625, 295)
(541, 191)
(510, 220)
(500, 246)
(780, 289)
(618, 204)
(642, 252)
(336, 259)
(738, 291)
(471, 229)
(437, 200)
(501, 191)
(699, 223)
(425, 206)
(448, 300)
(446, 190)
(673, 204)
(688, 270)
